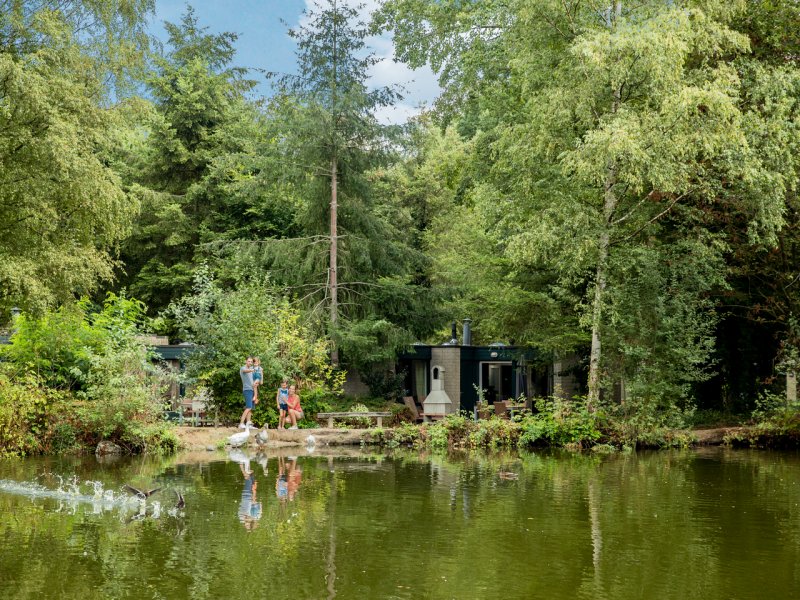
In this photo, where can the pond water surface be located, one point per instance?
(702, 524)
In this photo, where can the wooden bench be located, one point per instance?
(343, 415)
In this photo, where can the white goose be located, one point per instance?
(262, 437)
(238, 440)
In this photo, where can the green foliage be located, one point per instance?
(194, 148)
(59, 346)
(117, 390)
(356, 422)
(560, 422)
(24, 411)
(124, 395)
(56, 346)
(64, 210)
(250, 320)
(388, 385)
(493, 433)
(400, 414)
(774, 408)
(407, 433)
(438, 436)
(648, 423)
(776, 424)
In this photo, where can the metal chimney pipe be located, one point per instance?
(467, 337)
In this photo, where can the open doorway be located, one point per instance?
(497, 380)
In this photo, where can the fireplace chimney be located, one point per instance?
(467, 337)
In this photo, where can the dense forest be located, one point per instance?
(614, 180)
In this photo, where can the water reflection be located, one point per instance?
(710, 524)
(289, 478)
(249, 507)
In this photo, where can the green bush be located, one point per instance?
(407, 433)
(23, 411)
(117, 390)
(356, 422)
(400, 414)
(647, 423)
(559, 422)
(251, 319)
(58, 347)
(494, 433)
(438, 437)
(776, 424)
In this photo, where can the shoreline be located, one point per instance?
(213, 438)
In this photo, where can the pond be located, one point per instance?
(711, 523)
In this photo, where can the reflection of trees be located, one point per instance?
(648, 525)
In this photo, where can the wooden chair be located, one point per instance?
(500, 409)
(412, 406)
(199, 413)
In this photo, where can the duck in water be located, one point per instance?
(143, 494)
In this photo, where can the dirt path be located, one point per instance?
(212, 438)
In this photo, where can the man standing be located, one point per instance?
(246, 373)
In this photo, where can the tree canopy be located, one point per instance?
(617, 182)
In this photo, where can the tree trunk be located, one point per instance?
(609, 207)
(333, 277)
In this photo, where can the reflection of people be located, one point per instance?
(246, 373)
(294, 411)
(281, 484)
(281, 399)
(249, 508)
(294, 476)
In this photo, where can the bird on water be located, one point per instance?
(181, 502)
(262, 437)
(143, 494)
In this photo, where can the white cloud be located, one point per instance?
(420, 86)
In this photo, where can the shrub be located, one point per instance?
(559, 422)
(24, 407)
(400, 414)
(356, 422)
(645, 422)
(252, 319)
(438, 436)
(58, 347)
(407, 433)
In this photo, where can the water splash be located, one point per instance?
(71, 493)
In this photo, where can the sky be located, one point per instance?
(264, 44)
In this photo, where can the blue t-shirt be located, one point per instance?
(283, 395)
(258, 373)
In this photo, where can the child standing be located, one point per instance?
(258, 377)
(282, 399)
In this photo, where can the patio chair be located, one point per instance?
(199, 415)
(500, 409)
(412, 406)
